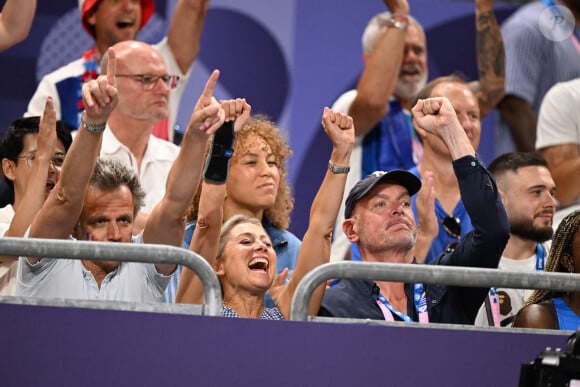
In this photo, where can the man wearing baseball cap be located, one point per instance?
(379, 219)
(110, 22)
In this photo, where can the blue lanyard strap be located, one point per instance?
(392, 309)
(540, 257)
(419, 299)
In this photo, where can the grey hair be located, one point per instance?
(229, 225)
(373, 29)
(110, 174)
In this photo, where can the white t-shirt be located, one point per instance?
(511, 300)
(68, 278)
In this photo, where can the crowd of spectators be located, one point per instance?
(404, 183)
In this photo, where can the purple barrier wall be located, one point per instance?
(79, 347)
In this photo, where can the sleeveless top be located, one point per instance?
(567, 319)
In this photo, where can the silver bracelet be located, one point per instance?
(92, 128)
(338, 169)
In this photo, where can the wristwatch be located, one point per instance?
(338, 169)
(98, 128)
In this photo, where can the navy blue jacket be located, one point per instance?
(482, 247)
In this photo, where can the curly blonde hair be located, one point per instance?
(262, 127)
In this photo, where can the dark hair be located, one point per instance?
(110, 174)
(266, 130)
(515, 160)
(13, 140)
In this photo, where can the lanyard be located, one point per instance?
(493, 297)
(540, 254)
(419, 299)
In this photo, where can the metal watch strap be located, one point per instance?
(338, 169)
(92, 128)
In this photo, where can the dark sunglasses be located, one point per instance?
(451, 247)
(452, 226)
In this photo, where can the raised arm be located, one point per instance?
(490, 57)
(521, 119)
(437, 116)
(428, 226)
(315, 249)
(382, 68)
(206, 236)
(34, 194)
(184, 36)
(63, 206)
(483, 246)
(165, 224)
(15, 21)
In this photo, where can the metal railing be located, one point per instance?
(123, 252)
(446, 275)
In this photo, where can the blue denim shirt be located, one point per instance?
(286, 245)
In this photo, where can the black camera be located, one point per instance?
(554, 368)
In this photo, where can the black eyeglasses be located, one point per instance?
(148, 81)
(452, 226)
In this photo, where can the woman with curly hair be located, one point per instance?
(240, 249)
(546, 309)
(256, 187)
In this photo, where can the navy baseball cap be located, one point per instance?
(397, 176)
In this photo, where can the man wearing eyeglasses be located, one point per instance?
(380, 220)
(97, 200)
(32, 153)
(144, 87)
(113, 21)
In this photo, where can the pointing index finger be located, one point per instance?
(210, 85)
(111, 67)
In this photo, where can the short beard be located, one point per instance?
(407, 90)
(524, 228)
